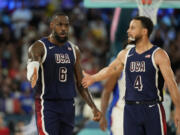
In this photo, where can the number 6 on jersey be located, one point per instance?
(62, 74)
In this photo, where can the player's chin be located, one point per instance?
(62, 39)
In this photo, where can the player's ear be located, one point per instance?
(51, 25)
(145, 31)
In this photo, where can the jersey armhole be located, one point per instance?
(45, 51)
(125, 61)
(29, 60)
(153, 60)
(73, 48)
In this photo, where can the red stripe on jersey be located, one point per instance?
(38, 108)
(163, 119)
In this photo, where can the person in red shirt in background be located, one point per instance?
(3, 129)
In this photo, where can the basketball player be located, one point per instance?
(114, 85)
(146, 67)
(116, 108)
(53, 64)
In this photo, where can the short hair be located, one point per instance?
(58, 14)
(146, 23)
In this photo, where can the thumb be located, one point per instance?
(84, 73)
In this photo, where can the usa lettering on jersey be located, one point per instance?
(62, 58)
(137, 66)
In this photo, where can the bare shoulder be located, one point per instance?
(122, 55)
(161, 56)
(36, 51)
(76, 49)
(36, 46)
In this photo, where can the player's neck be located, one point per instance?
(143, 46)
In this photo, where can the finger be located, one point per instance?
(103, 127)
(84, 73)
(84, 84)
(178, 127)
(176, 123)
(84, 79)
(97, 118)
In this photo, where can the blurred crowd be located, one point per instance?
(90, 29)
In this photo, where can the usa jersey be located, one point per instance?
(144, 80)
(56, 73)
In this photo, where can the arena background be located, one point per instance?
(25, 21)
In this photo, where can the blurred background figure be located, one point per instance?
(4, 130)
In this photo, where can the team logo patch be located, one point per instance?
(69, 48)
(148, 56)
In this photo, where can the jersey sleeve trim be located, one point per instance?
(45, 51)
(29, 59)
(127, 57)
(153, 60)
(157, 76)
(73, 47)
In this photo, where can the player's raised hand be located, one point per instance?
(103, 123)
(97, 114)
(34, 78)
(87, 80)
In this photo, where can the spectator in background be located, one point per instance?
(20, 19)
(3, 129)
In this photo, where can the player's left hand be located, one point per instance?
(177, 119)
(97, 114)
(103, 123)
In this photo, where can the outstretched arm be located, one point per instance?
(114, 68)
(108, 88)
(162, 60)
(35, 55)
(84, 91)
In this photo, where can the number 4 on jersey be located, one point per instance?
(138, 83)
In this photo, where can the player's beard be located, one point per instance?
(60, 39)
(134, 40)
